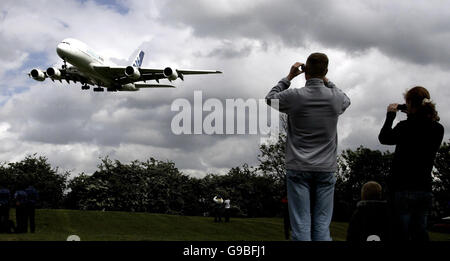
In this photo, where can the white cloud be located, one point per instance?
(374, 50)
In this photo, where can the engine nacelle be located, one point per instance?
(170, 73)
(54, 73)
(37, 75)
(132, 72)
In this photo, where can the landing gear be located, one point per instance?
(99, 89)
(111, 89)
(85, 87)
(64, 65)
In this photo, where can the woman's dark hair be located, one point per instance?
(420, 104)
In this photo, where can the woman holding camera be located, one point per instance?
(417, 141)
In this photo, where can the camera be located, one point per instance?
(303, 67)
(402, 107)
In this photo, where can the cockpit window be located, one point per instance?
(66, 43)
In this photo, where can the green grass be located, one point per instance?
(57, 225)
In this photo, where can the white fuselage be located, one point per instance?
(89, 68)
(83, 58)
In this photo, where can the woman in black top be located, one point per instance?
(417, 140)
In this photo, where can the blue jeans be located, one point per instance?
(310, 201)
(411, 210)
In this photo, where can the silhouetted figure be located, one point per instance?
(227, 209)
(286, 221)
(21, 211)
(311, 145)
(370, 221)
(417, 141)
(4, 209)
(218, 206)
(32, 198)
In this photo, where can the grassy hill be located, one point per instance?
(57, 225)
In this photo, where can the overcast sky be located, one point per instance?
(377, 50)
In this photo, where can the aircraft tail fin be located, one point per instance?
(139, 58)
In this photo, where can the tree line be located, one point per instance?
(157, 186)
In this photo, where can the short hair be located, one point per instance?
(371, 191)
(317, 65)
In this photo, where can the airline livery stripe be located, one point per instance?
(139, 59)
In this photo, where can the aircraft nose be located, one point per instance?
(62, 50)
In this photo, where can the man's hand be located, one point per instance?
(392, 107)
(325, 81)
(295, 71)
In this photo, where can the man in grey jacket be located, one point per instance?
(311, 146)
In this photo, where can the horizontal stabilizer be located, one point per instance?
(142, 85)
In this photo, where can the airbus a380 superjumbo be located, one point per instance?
(90, 69)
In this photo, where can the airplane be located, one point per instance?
(89, 68)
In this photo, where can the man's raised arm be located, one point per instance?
(280, 91)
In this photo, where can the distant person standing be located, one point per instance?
(218, 208)
(417, 140)
(311, 146)
(4, 209)
(227, 209)
(32, 198)
(21, 211)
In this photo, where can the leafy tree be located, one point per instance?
(36, 171)
(272, 158)
(273, 166)
(252, 195)
(159, 187)
(360, 166)
(272, 154)
(78, 188)
(354, 169)
(153, 186)
(441, 184)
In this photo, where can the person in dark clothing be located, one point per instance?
(32, 198)
(417, 141)
(286, 220)
(4, 209)
(218, 208)
(370, 219)
(21, 212)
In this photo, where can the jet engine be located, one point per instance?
(132, 72)
(37, 75)
(170, 73)
(54, 73)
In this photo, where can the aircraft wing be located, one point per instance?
(145, 71)
(72, 74)
(144, 85)
(118, 73)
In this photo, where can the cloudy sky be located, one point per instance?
(377, 50)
